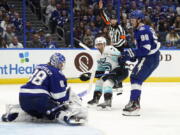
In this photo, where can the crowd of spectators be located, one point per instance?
(162, 15)
(11, 30)
(10, 26)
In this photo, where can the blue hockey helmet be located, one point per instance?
(137, 14)
(56, 59)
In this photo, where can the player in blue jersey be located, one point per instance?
(46, 96)
(147, 55)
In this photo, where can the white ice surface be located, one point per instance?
(160, 114)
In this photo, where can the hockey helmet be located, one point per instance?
(100, 40)
(137, 14)
(56, 59)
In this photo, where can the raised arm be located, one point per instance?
(103, 14)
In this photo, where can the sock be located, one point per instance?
(135, 94)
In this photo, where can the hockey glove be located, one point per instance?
(85, 76)
(127, 55)
(105, 76)
(121, 60)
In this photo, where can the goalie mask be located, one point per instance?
(57, 60)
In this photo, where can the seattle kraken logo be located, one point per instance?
(104, 64)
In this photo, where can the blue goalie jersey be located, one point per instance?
(47, 80)
(146, 42)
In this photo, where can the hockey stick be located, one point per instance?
(92, 75)
(87, 91)
(55, 109)
(87, 48)
(84, 46)
(96, 76)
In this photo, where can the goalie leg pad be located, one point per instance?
(12, 112)
(15, 113)
(73, 116)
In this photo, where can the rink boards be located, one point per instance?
(16, 65)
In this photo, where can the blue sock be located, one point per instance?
(135, 94)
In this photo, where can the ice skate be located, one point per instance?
(132, 108)
(8, 117)
(95, 100)
(106, 105)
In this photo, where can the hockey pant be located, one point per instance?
(144, 68)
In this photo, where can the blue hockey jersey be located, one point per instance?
(146, 42)
(47, 80)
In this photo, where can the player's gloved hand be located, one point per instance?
(105, 76)
(132, 59)
(127, 55)
(85, 76)
(121, 60)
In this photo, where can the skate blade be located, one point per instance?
(133, 113)
(100, 108)
(91, 106)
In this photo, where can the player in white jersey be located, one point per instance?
(109, 72)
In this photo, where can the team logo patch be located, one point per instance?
(83, 62)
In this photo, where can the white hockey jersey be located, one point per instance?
(108, 60)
